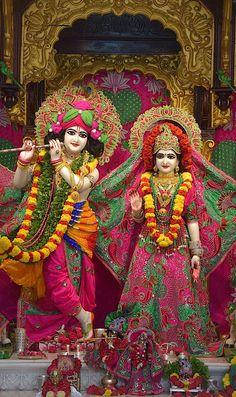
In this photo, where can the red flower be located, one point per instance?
(63, 339)
(27, 217)
(19, 256)
(25, 227)
(173, 229)
(31, 256)
(79, 332)
(31, 207)
(72, 335)
(37, 173)
(52, 348)
(111, 359)
(95, 390)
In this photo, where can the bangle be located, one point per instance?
(197, 251)
(137, 215)
(91, 179)
(23, 164)
(58, 166)
(84, 170)
(80, 183)
(54, 162)
(195, 244)
(195, 248)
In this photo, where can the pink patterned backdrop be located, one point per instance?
(131, 93)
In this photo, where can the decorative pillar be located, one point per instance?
(226, 35)
(8, 34)
(8, 90)
(224, 93)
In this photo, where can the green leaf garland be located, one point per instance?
(57, 204)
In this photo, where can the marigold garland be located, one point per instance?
(55, 232)
(186, 384)
(228, 387)
(165, 240)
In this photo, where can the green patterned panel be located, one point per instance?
(8, 159)
(127, 103)
(224, 157)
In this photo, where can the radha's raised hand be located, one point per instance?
(136, 202)
(55, 149)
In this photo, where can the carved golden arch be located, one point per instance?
(191, 21)
(71, 68)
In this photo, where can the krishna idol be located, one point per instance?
(47, 250)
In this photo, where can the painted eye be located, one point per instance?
(171, 156)
(83, 134)
(71, 132)
(160, 156)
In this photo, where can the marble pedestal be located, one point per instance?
(25, 375)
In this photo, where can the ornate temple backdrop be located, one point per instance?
(140, 53)
(180, 44)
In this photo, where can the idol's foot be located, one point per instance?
(86, 321)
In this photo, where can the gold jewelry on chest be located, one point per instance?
(164, 189)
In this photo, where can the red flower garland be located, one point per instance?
(188, 384)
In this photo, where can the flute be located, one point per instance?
(22, 149)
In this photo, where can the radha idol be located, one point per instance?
(167, 236)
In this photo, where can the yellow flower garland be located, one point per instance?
(164, 240)
(226, 378)
(8, 248)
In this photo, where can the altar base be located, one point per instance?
(26, 375)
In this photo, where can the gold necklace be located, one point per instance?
(165, 187)
(72, 156)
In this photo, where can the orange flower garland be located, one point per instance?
(13, 249)
(164, 240)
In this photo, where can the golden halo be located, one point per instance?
(148, 120)
(60, 101)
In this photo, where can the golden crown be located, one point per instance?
(166, 140)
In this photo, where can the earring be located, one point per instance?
(176, 170)
(155, 169)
